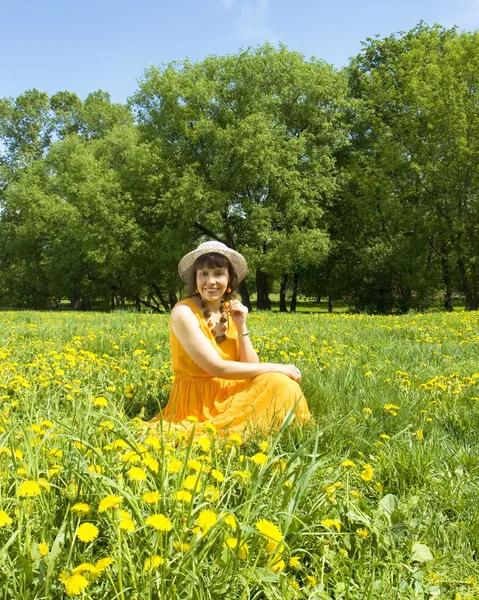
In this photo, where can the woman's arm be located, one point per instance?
(187, 329)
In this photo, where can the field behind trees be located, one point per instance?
(376, 499)
(359, 185)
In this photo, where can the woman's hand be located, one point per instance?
(291, 371)
(238, 313)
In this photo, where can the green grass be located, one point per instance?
(395, 396)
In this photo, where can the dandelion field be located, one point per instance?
(377, 499)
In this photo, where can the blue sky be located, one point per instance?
(81, 47)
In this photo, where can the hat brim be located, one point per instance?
(187, 263)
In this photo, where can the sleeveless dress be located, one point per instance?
(230, 405)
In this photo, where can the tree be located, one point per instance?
(251, 138)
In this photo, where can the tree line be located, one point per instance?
(359, 184)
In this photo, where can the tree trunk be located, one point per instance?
(173, 299)
(75, 300)
(472, 301)
(282, 293)
(330, 305)
(294, 297)
(245, 299)
(263, 302)
(447, 280)
(161, 297)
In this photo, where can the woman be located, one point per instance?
(218, 377)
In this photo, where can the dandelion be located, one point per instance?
(420, 434)
(362, 532)
(368, 473)
(269, 530)
(152, 497)
(95, 469)
(43, 549)
(234, 440)
(184, 496)
(218, 475)
(81, 507)
(330, 523)
(294, 562)
(194, 465)
(206, 520)
(126, 522)
(204, 443)
(191, 482)
(137, 474)
(109, 501)
(278, 566)
(104, 563)
(29, 489)
(174, 466)
(348, 463)
(87, 532)
(75, 584)
(4, 519)
(181, 547)
(153, 562)
(151, 463)
(243, 549)
(311, 580)
(100, 402)
(159, 522)
(259, 458)
(192, 419)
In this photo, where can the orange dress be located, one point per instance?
(230, 405)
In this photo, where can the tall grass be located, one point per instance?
(376, 499)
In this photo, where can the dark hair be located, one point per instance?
(212, 260)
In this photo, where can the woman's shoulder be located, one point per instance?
(185, 309)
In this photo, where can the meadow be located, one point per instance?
(375, 499)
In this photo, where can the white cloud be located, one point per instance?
(251, 23)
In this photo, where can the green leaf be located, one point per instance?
(421, 553)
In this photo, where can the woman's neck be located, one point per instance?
(213, 306)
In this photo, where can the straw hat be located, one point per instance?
(186, 264)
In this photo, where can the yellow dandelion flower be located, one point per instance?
(192, 482)
(75, 584)
(54, 470)
(181, 547)
(152, 442)
(234, 440)
(207, 518)
(210, 428)
(242, 550)
(259, 458)
(81, 507)
(184, 496)
(278, 566)
(420, 434)
(294, 562)
(95, 469)
(137, 474)
(192, 419)
(100, 402)
(153, 562)
(152, 497)
(174, 466)
(311, 580)
(86, 568)
(269, 530)
(348, 463)
(109, 501)
(4, 519)
(362, 532)
(368, 473)
(229, 520)
(126, 523)
(43, 548)
(159, 522)
(330, 523)
(87, 532)
(212, 493)
(104, 563)
(218, 475)
(194, 465)
(204, 443)
(151, 463)
(29, 489)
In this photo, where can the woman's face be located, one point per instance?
(212, 283)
